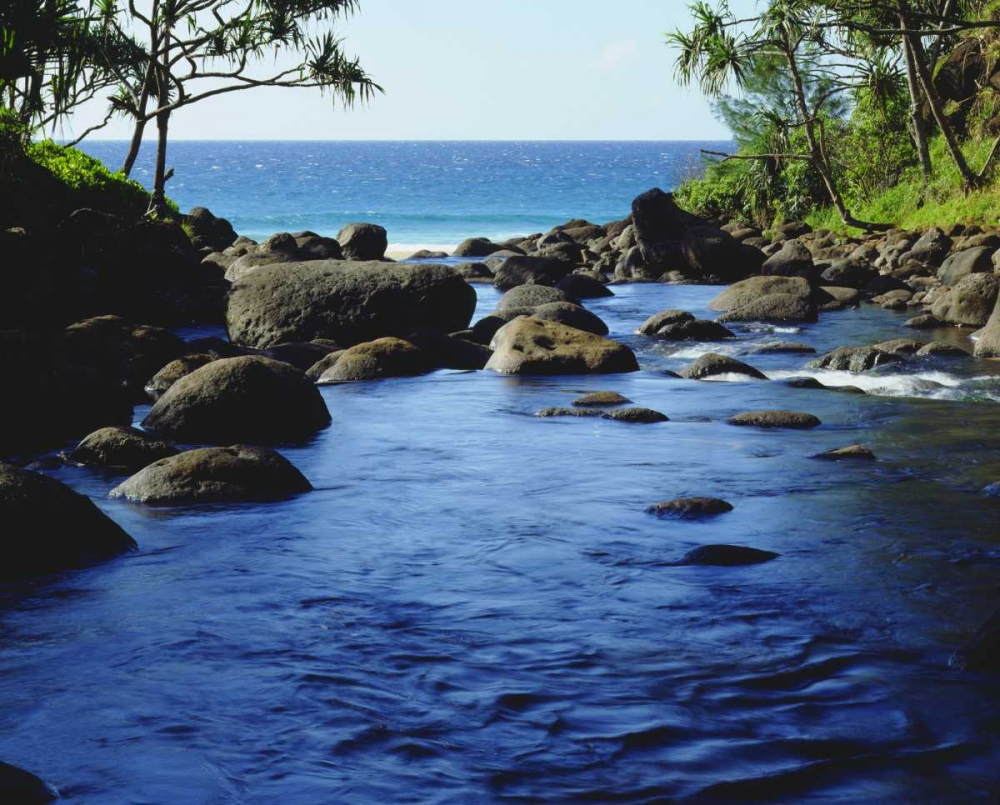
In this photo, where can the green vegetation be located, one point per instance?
(851, 115)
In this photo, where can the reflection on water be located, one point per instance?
(473, 605)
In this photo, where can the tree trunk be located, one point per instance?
(158, 202)
(918, 127)
(140, 120)
(819, 160)
(927, 84)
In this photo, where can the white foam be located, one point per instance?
(732, 377)
(932, 385)
(695, 351)
(760, 327)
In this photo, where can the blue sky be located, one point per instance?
(472, 69)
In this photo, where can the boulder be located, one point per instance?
(659, 227)
(712, 364)
(726, 556)
(931, 248)
(346, 302)
(427, 254)
(784, 347)
(694, 330)
(208, 230)
(988, 342)
(941, 349)
(775, 419)
(248, 399)
(314, 247)
(476, 247)
(636, 415)
(474, 272)
(970, 302)
(363, 241)
(600, 399)
(447, 351)
(582, 286)
(300, 354)
(853, 359)
(749, 290)
(839, 297)
(962, 264)
(791, 260)
(982, 653)
(158, 384)
(278, 248)
(374, 360)
(849, 273)
(792, 229)
(47, 527)
(899, 346)
(120, 448)
(663, 319)
(519, 270)
(712, 253)
(531, 296)
(925, 321)
(548, 413)
(535, 347)
(690, 508)
(774, 307)
(853, 452)
(215, 474)
(20, 787)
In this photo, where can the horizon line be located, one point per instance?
(399, 140)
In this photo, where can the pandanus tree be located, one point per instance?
(722, 51)
(193, 50)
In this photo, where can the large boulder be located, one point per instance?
(373, 360)
(712, 253)
(659, 226)
(854, 359)
(531, 296)
(158, 384)
(775, 307)
(562, 312)
(970, 302)
(248, 399)
(850, 273)
(961, 264)
(214, 474)
(688, 330)
(20, 787)
(476, 247)
(363, 241)
(792, 260)
(582, 286)
(531, 346)
(988, 342)
(447, 351)
(280, 247)
(749, 290)
(931, 248)
(120, 448)
(346, 302)
(47, 527)
(520, 270)
(208, 230)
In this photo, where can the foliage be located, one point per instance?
(89, 181)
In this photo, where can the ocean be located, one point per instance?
(423, 193)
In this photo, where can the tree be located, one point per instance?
(801, 35)
(197, 49)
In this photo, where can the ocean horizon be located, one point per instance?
(426, 193)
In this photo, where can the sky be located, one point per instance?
(477, 70)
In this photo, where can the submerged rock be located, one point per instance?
(791, 347)
(636, 415)
(381, 358)
(47, 527)
(248, 399)
(559, 411)
(775, 419)
(122, 448)
(690, 508)
(726, 556)
(853, 359)
(982, 653)
(215, 474)
(601, 398)
(712, 364)
(854, 452)
(532, 346)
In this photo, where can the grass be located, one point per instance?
(911, 205)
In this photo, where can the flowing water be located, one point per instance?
(473, 606)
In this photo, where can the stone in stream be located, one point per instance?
(693, 330)
(988, 343)
(776, 307)
(215, 474)
(121, 448)
(520, 270)
(561, 411)
(690, 508)
(474, 272)
(775, 419)
(900, 346)
(300, 354)
(427, 254)
(726, 556)
(982, 653)
(853, 452)
(925, 321)
(793, 259)
(248, 399)
(374, 360)
(476, 247)
(665, 317)
(532, 296)
(779, 347)
(712, 364)
(853, 359)
(449, 352)
(531, 346)
(159, 383)
(20, 787)
(992, 490)
(47, 527)
(345, 301)
(636, 415)
(601, 398)
(583, 286)
(941, 349)
(970, 302)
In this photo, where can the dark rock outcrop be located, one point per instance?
(363, 241)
